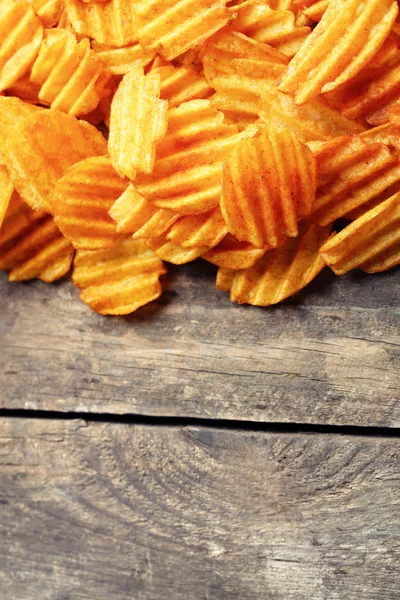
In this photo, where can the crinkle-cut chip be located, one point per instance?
(31, 245)
(269, 183)
(42, 147)
(12, 110)
(225, 279)
(187, 174)
(25, 90)
(112, 23)
(6, 191)
(180, 84)
(170, 252)
(138, 120)
(281, 272)
(71, 76)
(238, 107)
(190, 59)
(233, 254)
(49, 11)
(371, 242)
(158, 62)
(82, 199)
(133, 214)
(119, 61)
(354, 170)
(314, 9)
(120, 279)
(172, 27)
(277, 28)
(21, 33)
(342, 43)
(315, 120)
(206, 229)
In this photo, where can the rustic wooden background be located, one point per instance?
(201, 450)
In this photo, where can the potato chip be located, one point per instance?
(277, 28)
(119, 61)
(21, 33)
(31, 246)
(49, 11)
(6, 191)
(232, 254)
(315, 120)
(138, 120)
(40, 149)
(70, 75)
(12, 110)
(172, 27)
(190, 59)
(25, 90)
(281, 272)
(352, 171)
(111, 23)
(173, 253)
(314, 9)
(269, 183)
(187, 175)
(372, 242)
(133, 214)
(82, 199)
(344, 41)
(119, 280)
(206, 229)
(180, 84)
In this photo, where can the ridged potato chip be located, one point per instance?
(25, 90)
(12, 111)
(138, 120)
(119, 61)
(172, 27)
(170, 252)
(40, 149)
(181, 84)
(31, 245)
(232, 254)
(280, 273)
(6, 191)
(49, 11)
(82, 199)
(314, 9)
(344, 41)
(21, 33)
(71, 76)
(206, 229)
(371, 242)
(269, 183)
(120, 279)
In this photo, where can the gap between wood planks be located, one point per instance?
(168, 421)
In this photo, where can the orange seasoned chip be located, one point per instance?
(181, 84)
(40, 149)
(31, 245)
(111, 23)
(172, 27)
(371, 242)
(269, 183)
(138, 120)
(233, 254)
(314, 9)
(49, 11)
(344, 41)
(12, 110)
(6, 191)
(21, 33)
(119, 61)
(280, 273)
(173, 253)
(71, 76)
(133, 214)
(25, 90)
(120, 279)
(206, 229)
(82, 199)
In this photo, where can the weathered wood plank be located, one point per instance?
(331, 356)
(136, 512)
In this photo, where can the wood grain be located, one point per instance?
(99, 511)
(330, 356)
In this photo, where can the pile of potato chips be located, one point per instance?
(134, 132)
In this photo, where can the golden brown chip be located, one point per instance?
(82, 199)
(171, 28)
(314, 9)
(119, 61)
(111, 23)
(25, 90)
(206, 229)
(371, 242)
(40, 149)
(269, 183)
(280, 273)
(181, 84)
(173, 253)
(12, 110)
(49, 11)
(138, 120)
(31, 245)
(120, 279)
(347, 37)
(21, 33)
(6, 191)
(71, 76)
(233, 254)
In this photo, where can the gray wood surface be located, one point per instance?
(331, 355)
(93, 511)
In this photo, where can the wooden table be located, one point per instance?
(201, 450)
